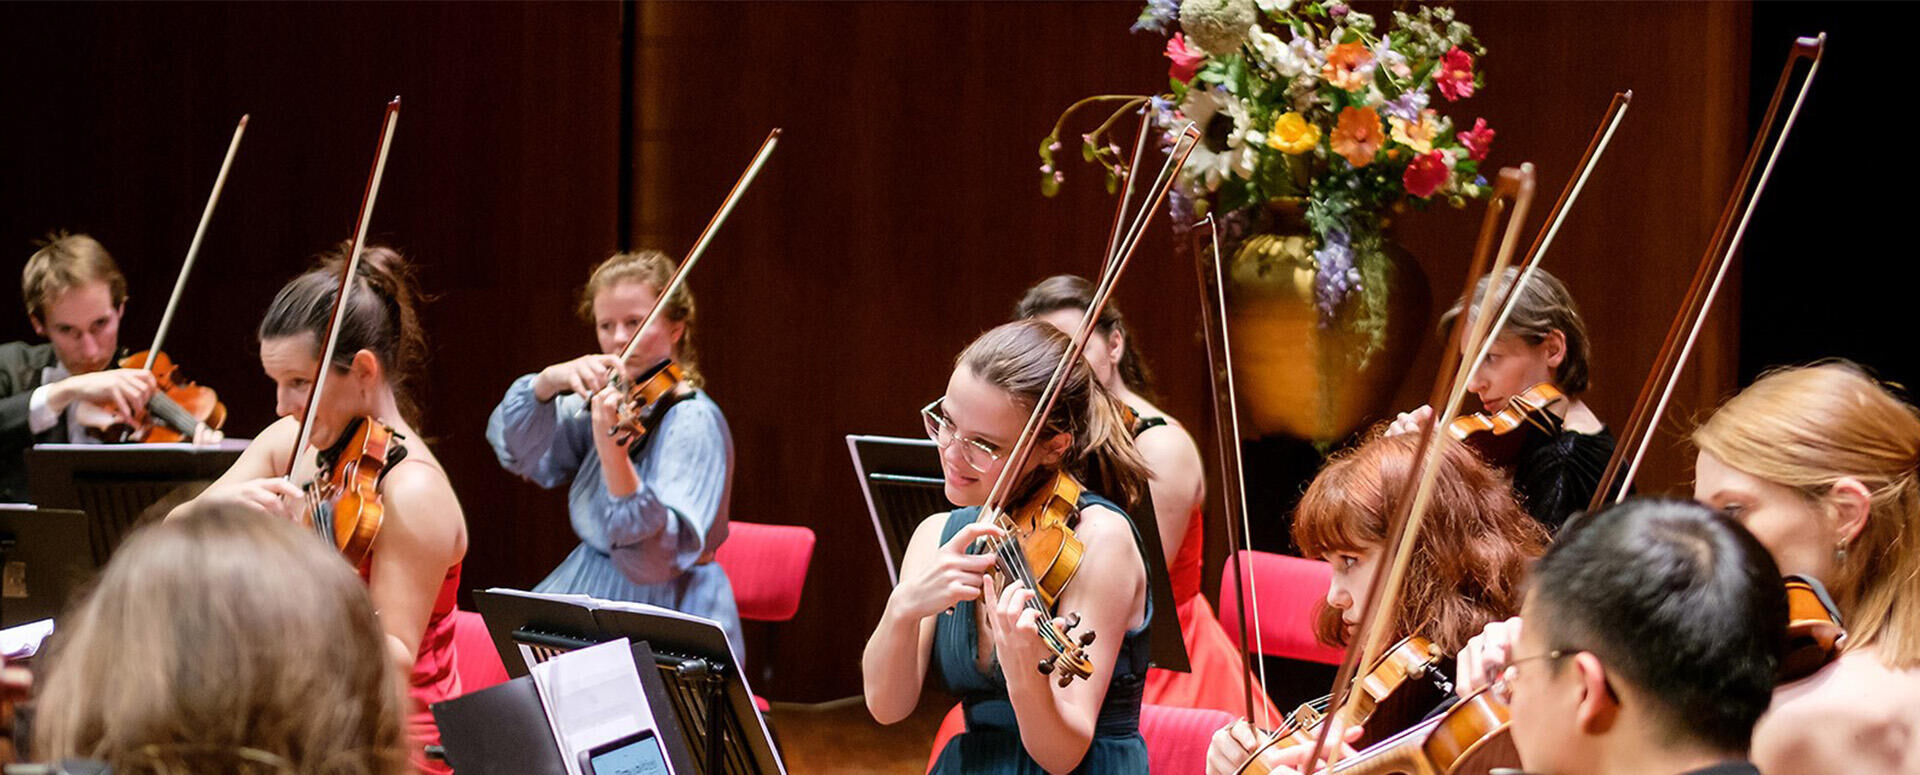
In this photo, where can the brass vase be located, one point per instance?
(1297, 377)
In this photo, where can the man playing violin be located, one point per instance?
(75, 296)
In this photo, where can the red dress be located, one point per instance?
(1219, 671)
(433, 679)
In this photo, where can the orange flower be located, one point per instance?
(1357, 136)
(1349, 66)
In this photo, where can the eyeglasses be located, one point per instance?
(979, 455)
(1502, 689)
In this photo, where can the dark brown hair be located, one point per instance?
(64, 262)
(1471, 553)
(1545, 306)
(1020, 357)
(653, 269)
(1066, 291)
(382, 316)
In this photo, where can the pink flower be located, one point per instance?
(1477, 140)
(1186, 61)
(1426, 174)
(1455, 76)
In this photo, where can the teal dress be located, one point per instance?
(991, 743)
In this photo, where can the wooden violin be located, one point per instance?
(635, 414)
(1043, 527)
(1527, 419)
(1471, 738)
(1393, 675)
(176, 411)
(1815, 632)
(350, 469)
(349, 480)
(647, 401)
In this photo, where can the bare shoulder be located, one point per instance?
(1109, 535)
(425, 503)
(1859, 700)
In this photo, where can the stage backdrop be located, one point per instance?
(900, 217)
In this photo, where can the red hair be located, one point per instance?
(1473, 547)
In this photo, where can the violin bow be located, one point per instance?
(1692, 314)
(193, 248)
(347, 274)
(700, 243)
(1602, 137)
(1514, 186)
(1226, 418)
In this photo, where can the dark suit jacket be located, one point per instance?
(20, 367)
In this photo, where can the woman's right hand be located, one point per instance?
(1234, 744)
(953, 576)
(1485, 657)
(1410, 422)
(582, 376)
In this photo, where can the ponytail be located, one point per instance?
(382, 316)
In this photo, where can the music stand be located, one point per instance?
(902, 482)
(705, 686)
(45, 556)
(123, 485)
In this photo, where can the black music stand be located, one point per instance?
(122, 486)
(903, 484)
(505, 730)
(46, 557)
(703, 682)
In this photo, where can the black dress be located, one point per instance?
(1556, 475)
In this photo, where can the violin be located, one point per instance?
(349, 471)
(635, 415)
(647, 401)
(177, 410)
(1814, 634)
(1393, 676)
(1472, 737)
(1526, 420)
(349, 479)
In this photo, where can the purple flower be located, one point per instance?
(1336, 277)
(1157, 15)
(1407, 107)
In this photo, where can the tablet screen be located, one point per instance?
(637, 755)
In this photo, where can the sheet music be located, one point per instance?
(593, 697)
(22, 641)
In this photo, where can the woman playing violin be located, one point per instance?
(1559, 460)
(1467, 565)
(413, 569)
(649, 513)
(1179, 489)
(1018, 720)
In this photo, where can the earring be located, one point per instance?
(1840, 553)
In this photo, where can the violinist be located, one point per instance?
(1820, 462)
(1651, 640)
(1558, 461)
(413, 569)
(1019, 720)
(650, 513)
(1467, 564)
(75, 297)
(1179, 489)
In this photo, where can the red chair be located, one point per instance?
(1176, 738)
(767, 565)
(1289, 590)
(475, 659)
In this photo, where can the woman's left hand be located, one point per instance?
(1016, 627)
(605, 406)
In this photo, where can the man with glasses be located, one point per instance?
(1652, 631)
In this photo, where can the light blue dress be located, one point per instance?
(655, 546)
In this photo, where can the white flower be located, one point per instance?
(1273, 6)
(1283, 58)
(1219, 26)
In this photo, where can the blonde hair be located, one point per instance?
(653, 269)
(64, 262)
(1807, 428)
(225, 641)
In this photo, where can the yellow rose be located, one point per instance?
(1293, 135)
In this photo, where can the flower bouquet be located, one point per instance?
(1313, 114)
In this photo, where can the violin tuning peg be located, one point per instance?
(1046, 666)
(1065, 678)
(1086, 638)
(1073, 620)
